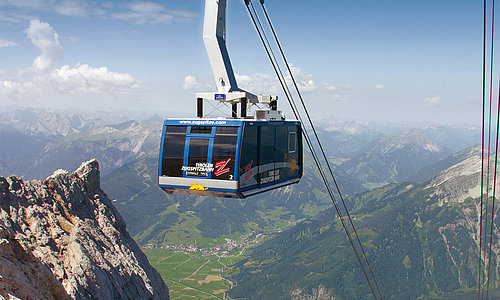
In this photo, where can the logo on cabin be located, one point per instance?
(293, 164)
(200, 169)
(220, 167)
(197, 186)
(220, 96)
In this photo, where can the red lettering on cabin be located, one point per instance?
(248, 170)
(249, 166)
(221, 167)
(249, 174)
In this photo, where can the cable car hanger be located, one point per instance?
(214, 37)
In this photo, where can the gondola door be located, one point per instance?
(198, 153)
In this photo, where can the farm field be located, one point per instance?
(192, 275)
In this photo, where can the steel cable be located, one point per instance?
(482, 155)
(483, 284)
(493, 200)
(489, 133)
(319, 143)
(486, 278)
(281, 77)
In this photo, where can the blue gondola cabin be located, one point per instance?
(229, 157)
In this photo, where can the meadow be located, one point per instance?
(192, 275)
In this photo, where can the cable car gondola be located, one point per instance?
(229, 157)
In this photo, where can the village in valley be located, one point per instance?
(222, 250)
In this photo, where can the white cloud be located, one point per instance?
(259, 83)
(137, 12)
(432, 101)
(379, 86)
(183, 15)
(61, 83)
(72, 8)
(46, 39)
(190, 82)
(80, 80)
(30, 4)
(142, 12)
(146, 7)
(12, 17)
(86, 79)
(6, 43)
(17, 8)
(306, 82)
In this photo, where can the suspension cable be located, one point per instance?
(319, 143)
(493, 200)
(482, 155)
(281, 77)
(489, 133)
(486, 276)
(483, 285)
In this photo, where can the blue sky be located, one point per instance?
(417, 61)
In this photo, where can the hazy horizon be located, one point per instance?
(117, 116)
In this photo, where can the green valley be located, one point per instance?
(191, 274)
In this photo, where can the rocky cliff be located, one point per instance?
(62, 238)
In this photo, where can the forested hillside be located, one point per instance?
(421, 240)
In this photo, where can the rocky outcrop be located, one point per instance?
(462, 181)
(63, 238)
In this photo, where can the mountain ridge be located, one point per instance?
(394, 158)
(66, 224)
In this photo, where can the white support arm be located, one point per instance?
(214, 36)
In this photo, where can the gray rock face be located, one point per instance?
(63, 238)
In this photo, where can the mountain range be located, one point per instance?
(416, 231)
(34, 142)
(394, 158)
(362, 157)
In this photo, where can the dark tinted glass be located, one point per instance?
(223, 156)
(176, 129)
(266, 154)
(173, 151)
(197, 160)
(281, 151)
(201, 129)
(248, 160)
(267, 136)
(227, 130)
